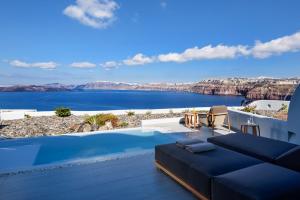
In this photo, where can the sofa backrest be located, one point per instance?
(293, 117)
(265, 149)
(290, 159)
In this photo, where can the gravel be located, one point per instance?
(53, 125)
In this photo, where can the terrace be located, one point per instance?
(133, 177)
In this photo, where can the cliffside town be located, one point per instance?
(259, 88)
(251, 88)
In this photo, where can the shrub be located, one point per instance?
(250, 109)
(123, 124)
(130, 113)
(62, 112)
(100, 119)
(27, 116)
(284, 108)
(171, 111)
(148, 113)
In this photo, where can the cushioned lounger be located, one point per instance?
(259, 147)
(290, 159)
(263, 181)
(197, 170)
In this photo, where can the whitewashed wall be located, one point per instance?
(7, 114)
(269, 127)
(19, 114)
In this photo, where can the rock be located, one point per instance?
(86, 127)
(102, 128)
(94, 127)
(109, 125)
(75, 127)
(53, 125)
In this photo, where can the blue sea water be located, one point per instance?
(111, 100)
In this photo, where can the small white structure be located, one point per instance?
(294, 118)
(271, 105)
(11, 114)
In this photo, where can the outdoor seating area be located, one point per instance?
(215, 117)
(240, 166)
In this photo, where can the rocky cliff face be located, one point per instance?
(131, 86)
(277, 89)
(255, 91)
(34, 88)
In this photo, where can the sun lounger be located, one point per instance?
(196, 171)
(262, 181)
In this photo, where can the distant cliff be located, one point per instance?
(103, 85)
(259, 88)
(251, 89)
(34, 88)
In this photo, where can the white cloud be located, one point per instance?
(83, 65)
(277, 46)
(42, 65)
(94, 13)
(205, 53)
(110, 65)
(138, 59)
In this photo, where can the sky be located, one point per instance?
(79, 41)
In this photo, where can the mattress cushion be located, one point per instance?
(198, 169)
(259, 147)
(263, 181)
(290, 159)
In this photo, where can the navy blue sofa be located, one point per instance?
(241, 167)
(198, 169)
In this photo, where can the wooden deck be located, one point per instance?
(127, 178)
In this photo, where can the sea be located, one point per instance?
(111, 100)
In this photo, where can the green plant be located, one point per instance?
(27, 116)
(123, 124)
(148, 113)
(171, 111)
(100, 119)
(130, 113)
(284, 108)
(63, 112)
(92, 120)
(250, 109)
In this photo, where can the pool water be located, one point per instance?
(69, 148)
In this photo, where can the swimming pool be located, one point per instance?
(20, 153)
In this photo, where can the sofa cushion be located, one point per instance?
(198, 169)
(290, 159)
(263, 181)
(259, 147)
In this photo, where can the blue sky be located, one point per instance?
(78, 41)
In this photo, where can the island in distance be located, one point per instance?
(250, 88)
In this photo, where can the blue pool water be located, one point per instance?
(71, 148)
(111, 100)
